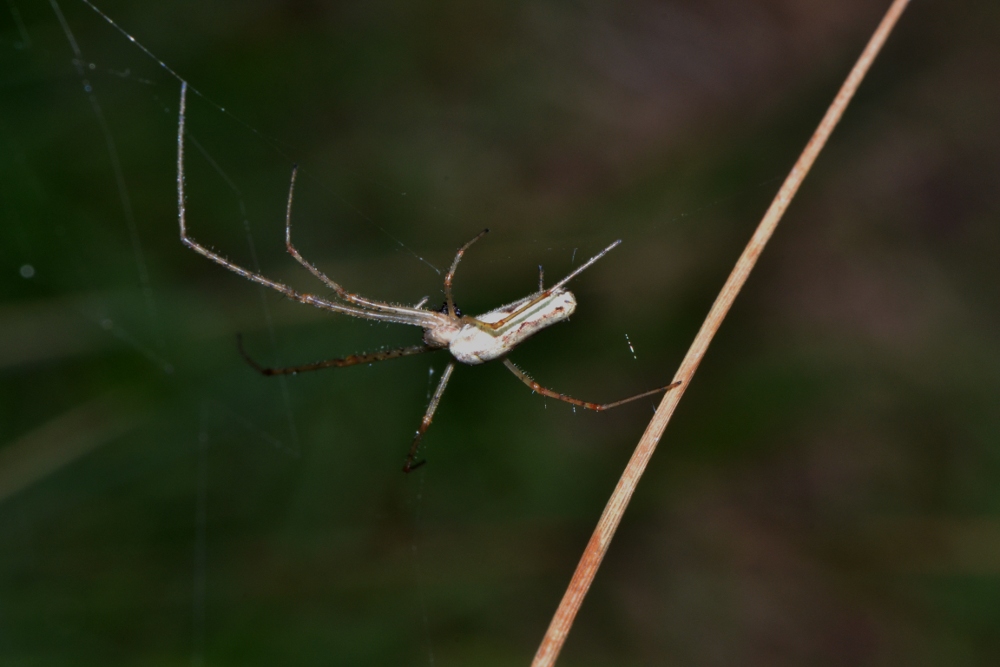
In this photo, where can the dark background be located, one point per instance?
(828, 493)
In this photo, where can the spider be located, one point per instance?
(470, 340)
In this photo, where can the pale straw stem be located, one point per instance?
(597, 547)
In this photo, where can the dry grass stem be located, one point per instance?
(596, 548)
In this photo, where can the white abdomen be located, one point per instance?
(473, 345)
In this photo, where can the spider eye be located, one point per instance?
(444, 309)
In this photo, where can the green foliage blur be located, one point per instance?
(829, 490)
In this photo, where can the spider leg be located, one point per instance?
(350, 297)
(587, 405)
(499, 324)
(411, 464)
(541, 278)
(449, 300)
(350, 360)
(400, 315)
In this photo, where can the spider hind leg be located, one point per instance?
(586, 405)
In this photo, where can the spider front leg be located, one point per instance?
(425, 423)
(350, 297)
(587, 405)
(369, 310)
(293, 251)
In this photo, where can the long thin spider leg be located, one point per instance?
(449, 300)
(411, 462)
(350, 360)
(541, 278)
(500, 324)
(350, 297)
(414, 317)
(587, 405)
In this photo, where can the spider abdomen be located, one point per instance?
(475, 344)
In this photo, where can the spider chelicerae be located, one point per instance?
(470, 340)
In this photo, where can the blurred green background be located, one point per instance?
(828, 493)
